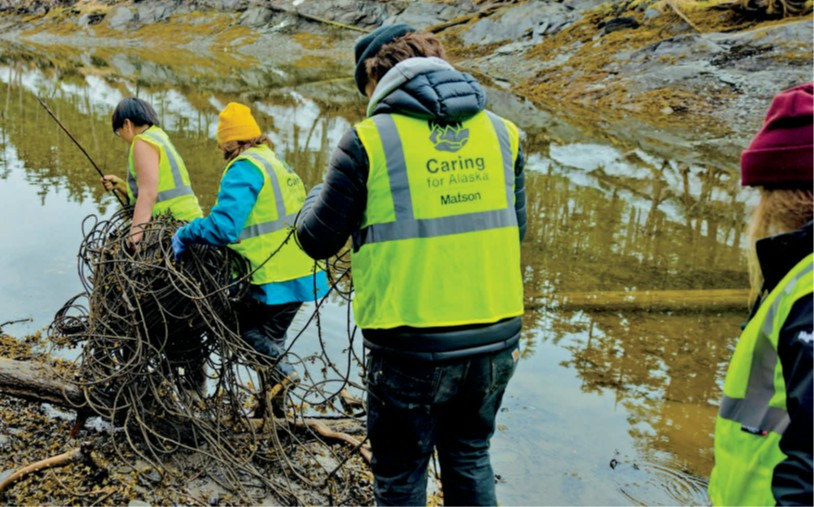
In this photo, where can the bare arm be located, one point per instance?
(145, 160)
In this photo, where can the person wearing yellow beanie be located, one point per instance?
(236, 123)
(258, 198)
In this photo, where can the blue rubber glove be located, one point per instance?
(178, 246)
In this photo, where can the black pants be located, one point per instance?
(415, 406)
(265, 327)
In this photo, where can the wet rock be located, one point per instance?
(728, 78)
(89, 19)
(658, 64)
(226, 5)
(119, 17)
(351, 12)
(255, 17)
(685, 45)
(150, 478)
(151, 12)
(790, 33)
(421, 14)
(621, 23)
(528, 21)
(511, 48)
(651, 14)
(582, 5)
(672, 74)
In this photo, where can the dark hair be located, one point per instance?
(407, 46)
(136, 110)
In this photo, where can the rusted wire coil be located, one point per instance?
(162, 360)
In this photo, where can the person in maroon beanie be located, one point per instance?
(763, 433)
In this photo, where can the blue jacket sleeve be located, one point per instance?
(238, 193)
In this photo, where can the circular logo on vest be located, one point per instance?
(451, 137)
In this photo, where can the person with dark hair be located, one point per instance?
(259, 196)
(157, 178)
(430, 188)
(763, 432)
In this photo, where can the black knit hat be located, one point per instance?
(370, 44)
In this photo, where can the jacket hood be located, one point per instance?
(778, 254)
(427, 88)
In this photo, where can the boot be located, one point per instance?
(274, 385)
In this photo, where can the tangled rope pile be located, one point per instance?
(164, 363)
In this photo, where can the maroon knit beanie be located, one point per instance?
(782, 153)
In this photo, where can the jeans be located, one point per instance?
(415, 407)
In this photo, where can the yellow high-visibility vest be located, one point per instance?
(174, 190)
(440, 243)
(271, 220)
(753, 415)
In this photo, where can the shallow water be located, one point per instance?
(612, 407)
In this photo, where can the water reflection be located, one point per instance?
(663, 369)
(636, 388)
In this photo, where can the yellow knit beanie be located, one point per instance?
(236, 123)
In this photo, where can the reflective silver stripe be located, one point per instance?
(396, 166)
(166, 195)
(179, 189)
(172, 193)
(251, 231)
(749, 414)
(406, 225)
(441, 226)
(170, 151)
(506, 152)
(283, 221)
(753, 411)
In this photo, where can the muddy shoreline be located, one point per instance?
(106, 473)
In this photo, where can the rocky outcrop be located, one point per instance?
(693, 81)
(650, 61)
(525, 24)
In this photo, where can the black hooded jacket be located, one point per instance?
(792, 478)
(334, 210)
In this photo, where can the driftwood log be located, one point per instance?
(39, 382)
(643, 300)
(66, 458)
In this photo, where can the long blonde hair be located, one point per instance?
(232, 149)
(779, 210)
